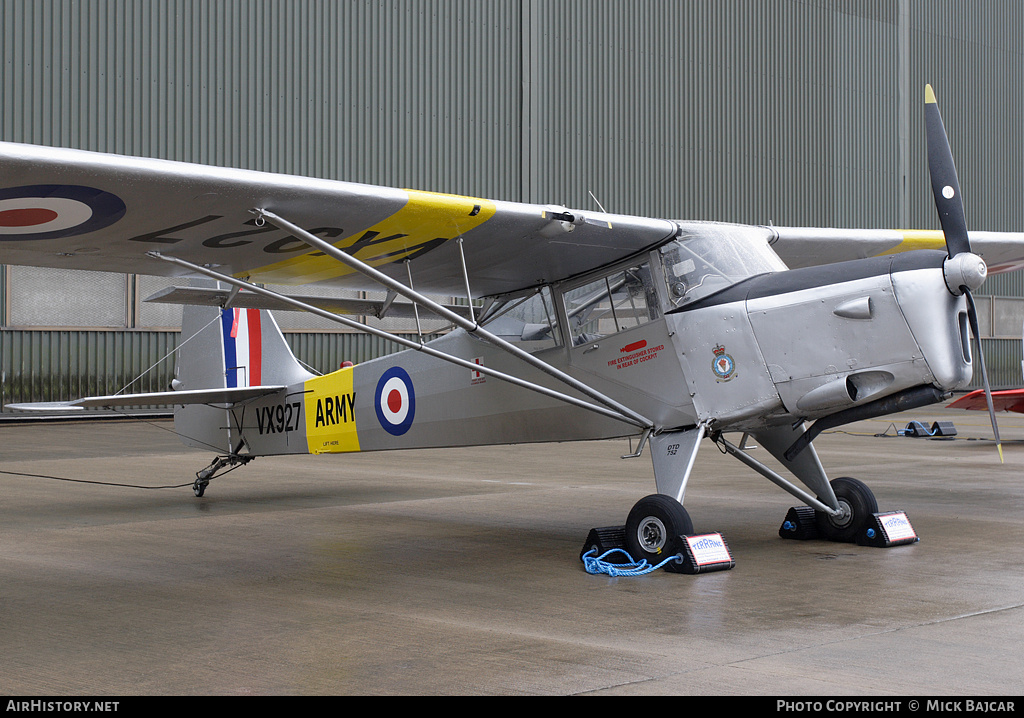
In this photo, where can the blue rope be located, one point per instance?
(597, 564)
(918, 429)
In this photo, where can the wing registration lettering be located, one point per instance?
(427, 220)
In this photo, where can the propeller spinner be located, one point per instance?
(964, 270)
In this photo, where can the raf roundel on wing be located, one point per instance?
(54, 211)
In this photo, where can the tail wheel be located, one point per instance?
(856, 504)
(654, 526)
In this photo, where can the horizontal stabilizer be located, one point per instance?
(208, 297)
(220, 397)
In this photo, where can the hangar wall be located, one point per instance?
(799, 112)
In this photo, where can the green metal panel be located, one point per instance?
(972, 54)
(53, 365)
(795, 111)
(1003, 361)
(48, 365)
(417, 94)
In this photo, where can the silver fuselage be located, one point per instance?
(767, 350)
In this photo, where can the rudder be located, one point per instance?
(226, 348)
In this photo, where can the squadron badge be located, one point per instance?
(723, 364)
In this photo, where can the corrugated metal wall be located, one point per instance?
(63, 365)
(804, 112)
(747, 112)
(788, 111)
(415, 93)
(54, 365)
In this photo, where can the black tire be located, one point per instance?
(654, 526)
(860, 503)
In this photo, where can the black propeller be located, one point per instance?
(968, 269)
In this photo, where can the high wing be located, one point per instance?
(84, 210)
(809, 246)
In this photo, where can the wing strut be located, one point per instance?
(629, 418)
(470, 326)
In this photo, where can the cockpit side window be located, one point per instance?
(618, 301)
(529, 321)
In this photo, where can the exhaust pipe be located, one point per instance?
(901, 401)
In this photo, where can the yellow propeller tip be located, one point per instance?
(1000, 447)
(929, 95)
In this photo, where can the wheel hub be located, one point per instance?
(651, 534)
(844, 517)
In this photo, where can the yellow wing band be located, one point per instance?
(427, 220)
(917, 239)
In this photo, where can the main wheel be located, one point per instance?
(856, 502)
(654, 526)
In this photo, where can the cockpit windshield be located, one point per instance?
(710, 257)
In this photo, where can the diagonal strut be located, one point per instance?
(298, 304)
(472, 327)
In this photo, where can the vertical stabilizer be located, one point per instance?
(255, 352)
(227, 348)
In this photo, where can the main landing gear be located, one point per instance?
(658, 534)
(856, 506)
(658, 528)
(654, 526)
(857, 521)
